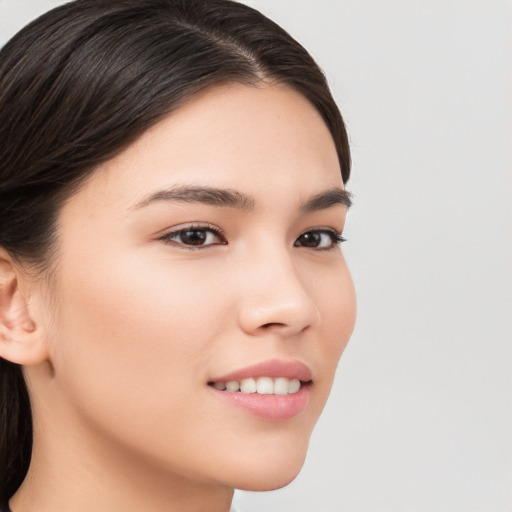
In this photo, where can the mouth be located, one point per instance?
(261, 385)
(274, 390)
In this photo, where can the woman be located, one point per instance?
(173, 300)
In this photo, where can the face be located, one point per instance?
(206, 256)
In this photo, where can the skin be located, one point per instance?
(118, 361)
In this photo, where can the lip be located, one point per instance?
(291, 369)
(271, 408)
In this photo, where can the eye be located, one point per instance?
(319, 239)
(195, 237)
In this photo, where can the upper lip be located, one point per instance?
(290, 369)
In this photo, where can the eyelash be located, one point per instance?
(336, 238)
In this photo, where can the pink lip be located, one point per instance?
(271, 408)
(271, 368)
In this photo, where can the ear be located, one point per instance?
(20, 339)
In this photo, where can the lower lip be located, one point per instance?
(268, 407)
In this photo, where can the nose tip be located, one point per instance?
(279, 303)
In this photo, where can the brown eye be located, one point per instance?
(195, 237)
(312, 239)
(319, 239)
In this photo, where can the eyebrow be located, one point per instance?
(229, 198)
(206, 195)
(326, 199)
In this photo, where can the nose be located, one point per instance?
(275, 298)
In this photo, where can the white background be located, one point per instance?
(420, 415)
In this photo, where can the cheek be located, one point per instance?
(127, 329)
(131, 346)
(335, 297)
(341, 310)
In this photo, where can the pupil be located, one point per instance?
(311, 239)
(193, 237)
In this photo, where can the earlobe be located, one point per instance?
(20, 340)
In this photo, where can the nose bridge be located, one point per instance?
(275, 296)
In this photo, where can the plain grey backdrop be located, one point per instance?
(420, 415)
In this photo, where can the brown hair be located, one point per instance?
(81, 83)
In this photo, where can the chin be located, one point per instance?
(269, 482)
(270, 472)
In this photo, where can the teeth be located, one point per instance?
(232, 385)
(265, 386)
(261, 385)
(281, 386)
(248, 386)
(294, 386)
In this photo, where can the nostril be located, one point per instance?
(271, 324)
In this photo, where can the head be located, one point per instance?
(171, 189)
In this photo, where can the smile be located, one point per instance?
(260, 385)
(274, 390)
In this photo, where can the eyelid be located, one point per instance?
(324, 229)
(192, 225)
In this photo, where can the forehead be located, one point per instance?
(254, 139)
